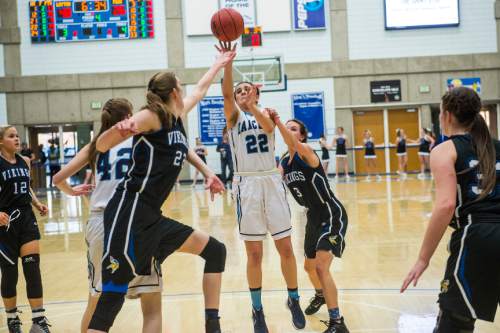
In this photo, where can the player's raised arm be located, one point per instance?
(230, 108)
(143, 121)
(261, 116)
(225, 56)
(291, 133)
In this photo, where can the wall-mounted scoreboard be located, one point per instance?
(79, 20)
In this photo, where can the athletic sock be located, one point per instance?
(319, 292)
(334, 313)
(11, 313)
(211, 314)
(37, 314)
(256, 294)
(293, 293)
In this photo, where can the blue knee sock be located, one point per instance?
(293, 293)
(334, 313)
(256, 294)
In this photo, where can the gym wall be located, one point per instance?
(368, 38)
(296, 46)
(282, 102)
(93, 57)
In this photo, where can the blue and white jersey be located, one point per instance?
(111, 169)
(252, 149)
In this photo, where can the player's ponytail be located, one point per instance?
(160, 86)
(465, 105)
(113, 111)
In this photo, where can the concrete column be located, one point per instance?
(12, 53)
(339, 29)
(175, 33)
(425, 116)
(497, 16)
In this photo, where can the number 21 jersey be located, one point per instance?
(252, 148)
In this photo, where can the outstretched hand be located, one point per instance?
(414, 274)
(227, 53)
(82, 189)
(273, 114)
(215, 185)
(126, 127)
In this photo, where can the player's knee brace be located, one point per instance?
(107, 309)
(31, 269)
(9, 280)
(214, 254)
(449, 322)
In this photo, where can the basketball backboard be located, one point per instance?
(267, 72)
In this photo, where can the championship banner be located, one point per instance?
(310, 109)
(309, 14)
(246, 9)
(472, 82)
(211, 119)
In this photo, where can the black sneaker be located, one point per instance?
(335, 326)
(212, 326)
(259, 322)
(298, 319)
(40, 325)
(314, 304)
(14, 325)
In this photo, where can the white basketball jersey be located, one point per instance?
(252, 149)
(111, 168)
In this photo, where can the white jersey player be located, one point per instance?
(260, 194)
(109, 169)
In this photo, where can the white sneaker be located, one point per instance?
(368, 178)
(421, 176)
(379, 178)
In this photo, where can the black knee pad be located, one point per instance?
(9, 280)
(107, 309)
(449, 322)
(214, 254)
(31, 269)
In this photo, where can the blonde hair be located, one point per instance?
(3, 129)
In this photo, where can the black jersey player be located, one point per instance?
(326, 217)
(466, 169)
(134, 229)
(19, 233)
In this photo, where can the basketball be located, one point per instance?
(227, 25)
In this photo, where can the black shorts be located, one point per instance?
(325, 230)
(135, 233)
(471, 285)
(23, 229)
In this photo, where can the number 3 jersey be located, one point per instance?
(14, 184)
(111, 168)
(252, 148)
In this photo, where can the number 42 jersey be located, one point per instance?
(251, 147)
(111, 169)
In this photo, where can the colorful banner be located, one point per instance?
(310, 109)
(246, 9)
(471, 82)
(309, 14)
(385, 91)
(211, 119)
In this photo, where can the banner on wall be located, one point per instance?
(246, 9)
(310, 109)
(309, 14)
(212, 120)
(471, 82)
(385, 91)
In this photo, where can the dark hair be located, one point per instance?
(322, 136)
(113, 111)
(465, 105)
(398, 132)
(159, 88)
(303, 128)
(247, 82)
(341, 128)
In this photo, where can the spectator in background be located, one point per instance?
(226, 161)
(41, 155)
(202, 152)
(26, 151)
(54, 164)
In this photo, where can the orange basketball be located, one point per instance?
(227, 24)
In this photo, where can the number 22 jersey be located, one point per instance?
(251, 147)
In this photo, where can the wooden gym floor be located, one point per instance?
(387, 220)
